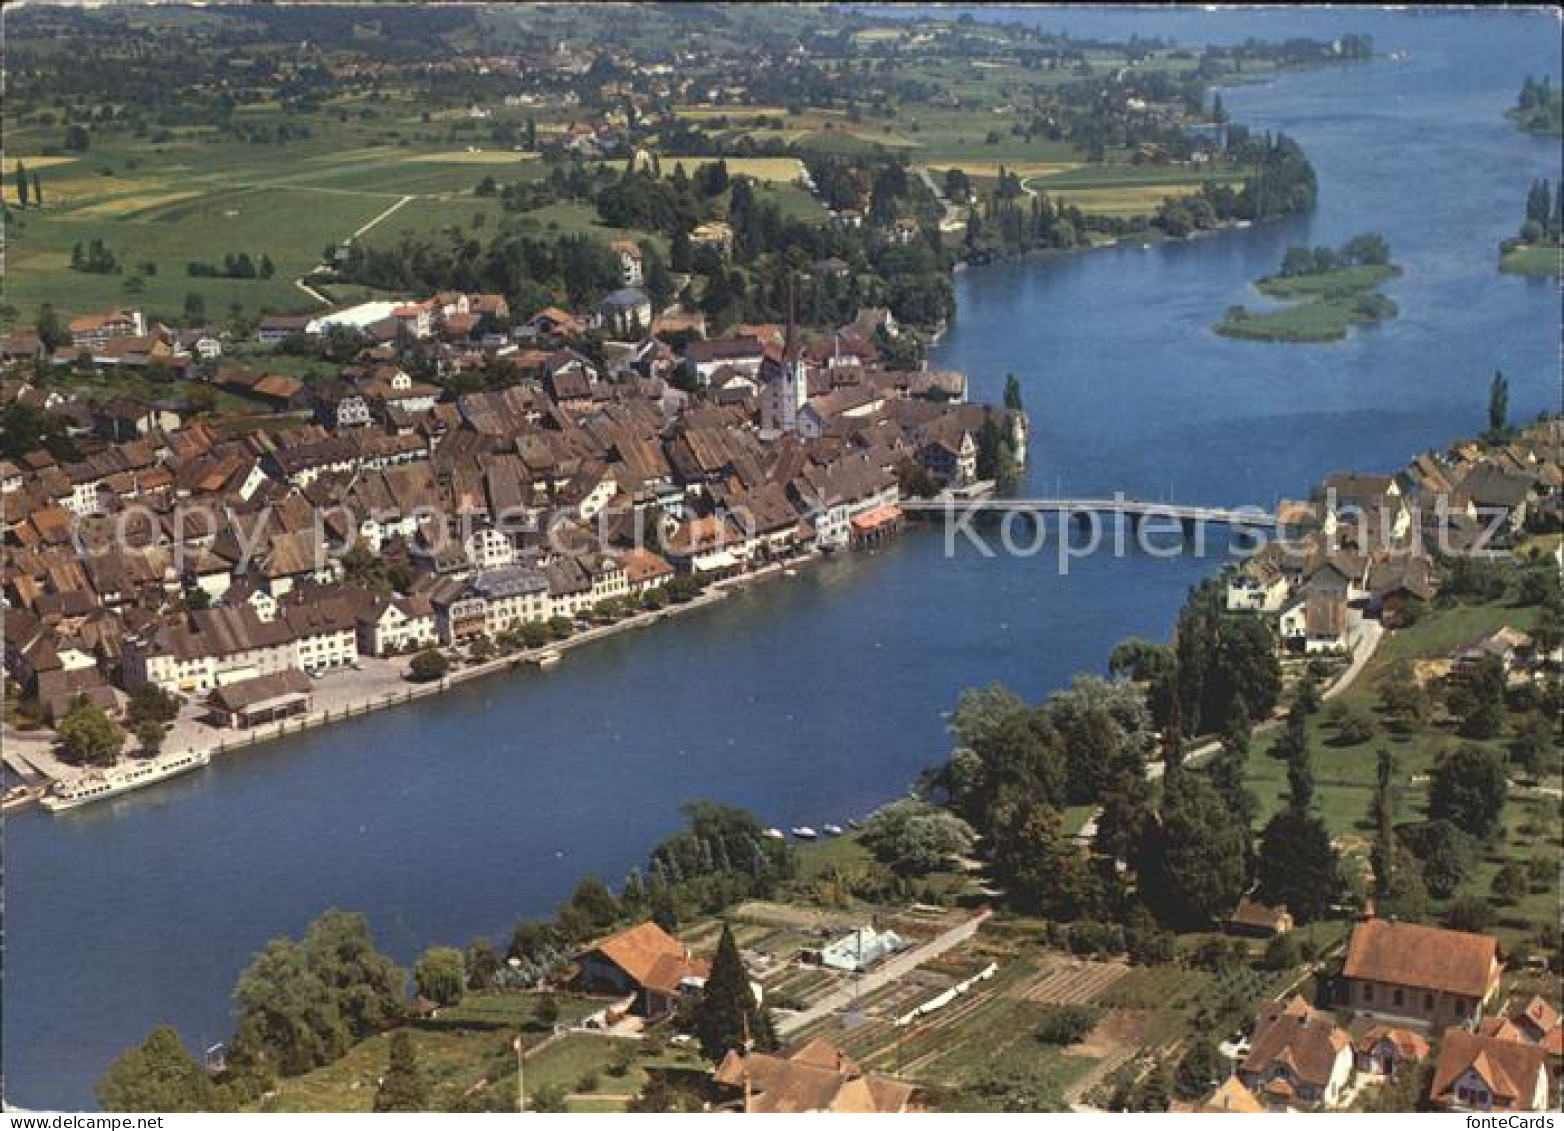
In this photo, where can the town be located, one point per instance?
(382, 530)
(371, 375)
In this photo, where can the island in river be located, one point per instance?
(1326, 291)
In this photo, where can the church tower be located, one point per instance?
(785, 383)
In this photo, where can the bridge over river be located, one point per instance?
(1136, 510)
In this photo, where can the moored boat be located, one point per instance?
(804, 832)
(774, 834)
(832, 830)
(100, 785)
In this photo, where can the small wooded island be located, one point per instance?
(1536, 248)
(1325, 289)
(1539, 108)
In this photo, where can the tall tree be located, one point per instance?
(1498, 403)
(441, 975)
(1297, 865)
(37, 190)
(1193, 864)
(21, 185)
(1468, 788)
(403, 1087)
(727, 1015)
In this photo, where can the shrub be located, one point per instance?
(429, 665)
(1067, 1024)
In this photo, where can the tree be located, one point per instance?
(1013, 393)
(76, 138)
(547, 1012)
(1044, 870)
(1199, 1070)
(159, 1075)
(88, 735)
(1477, 697)
(1194, 863)
(441, 975)
(592, 906)
(1468, 788)
(1297, 865)
(21, 185)
(150, 735)
(1498, 404)
(727, 1018)
(1510, 882)
(51, 328)
(303, 1004)
(914, 838)
(429, 665)
(1443, 853)
(37, 190)
(403, 1087)
(1067, 1024)
(481, 963)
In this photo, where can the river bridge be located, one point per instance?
(1136, 510)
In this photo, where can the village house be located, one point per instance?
(630, 270)
(393, 625)
(1257, 920)
(1299, 1060)
(93, 331)
(815, 1077)
(1425, 975)
(1475, 1073)
(643, 962)
(210, 647)
(1382, 1049)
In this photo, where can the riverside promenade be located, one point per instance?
(371, 684)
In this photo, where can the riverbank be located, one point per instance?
(1539, 260)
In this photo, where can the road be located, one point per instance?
(304, 286)
(952, 211)
(894, 968)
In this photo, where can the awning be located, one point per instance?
(714, 561)
(878, 517)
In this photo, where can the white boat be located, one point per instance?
(103, 784)
(774, 834)
(804, 832)
(548, 659)
(832, 830)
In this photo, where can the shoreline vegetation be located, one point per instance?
(1537, 249)
(1539, 108)
(1325, 292)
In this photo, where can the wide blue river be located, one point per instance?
(811, 699)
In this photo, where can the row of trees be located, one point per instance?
(1368, 250)
(234, 266)
(29, 188)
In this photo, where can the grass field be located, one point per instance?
(1322, 306)
(1533, 259)
(1344, 773)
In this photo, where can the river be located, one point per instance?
(813, 698)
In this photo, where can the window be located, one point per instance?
(1428, 1003)
(1398, 997)
(1368, 992)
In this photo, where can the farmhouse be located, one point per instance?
(1422, 974)
(645, 961)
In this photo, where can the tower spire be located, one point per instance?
(790, 345)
